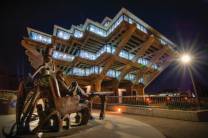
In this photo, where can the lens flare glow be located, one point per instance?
(185, 58)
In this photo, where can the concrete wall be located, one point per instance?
(165, 113)
(7, 103)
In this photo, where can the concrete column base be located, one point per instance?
(139, 88)
(96, 86)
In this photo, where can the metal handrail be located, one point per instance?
(169, 102)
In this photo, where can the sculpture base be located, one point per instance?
(61, 133)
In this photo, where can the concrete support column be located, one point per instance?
(88, 88)
(97, 86)
(140, 91)
(115, 86)
(129, 90)
(120, 94)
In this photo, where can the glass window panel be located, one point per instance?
(106, 23)
(62, 34)
(131, 56)
(40, 38)
(97, 30)
(62, 56)
(130, 21)
(126, 18)
(78, 34)
(124, 54)
(141, 80)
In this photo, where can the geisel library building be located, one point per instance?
(123, 54)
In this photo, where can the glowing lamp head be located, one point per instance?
(119, 110)
(185, 59)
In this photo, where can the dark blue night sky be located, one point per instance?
(183, 21)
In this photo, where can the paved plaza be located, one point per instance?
(118, 125)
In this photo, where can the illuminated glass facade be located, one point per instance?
(92, 40)
(99, 30)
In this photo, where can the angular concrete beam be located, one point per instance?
(127, 35)
(124, 71)
(139, 74)
(144, 47)
(125, 38)
(156, 74)
(148, 67)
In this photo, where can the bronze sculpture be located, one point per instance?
(45, 102)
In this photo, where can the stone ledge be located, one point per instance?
(201, 115)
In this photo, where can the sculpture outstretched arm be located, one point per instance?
(82, 92)
(37, 71)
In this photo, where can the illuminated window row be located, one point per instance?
(94, 56)
(115, 25)
(93, 28)
(78, 34)
(130, 77)
(93, 70)
(66, 35)
(141, 80)
(63, 34)
(62, 56)
(85, 54)
(97, 70)
(78, 72)
(162, 42)
(113, 73)
(104, 33)
(146, 62)
(139, 26)
(85, 71)
(97, 30)
(155, 66)
(106, 48)
(143, 61)
(126, 55)
(40, 38)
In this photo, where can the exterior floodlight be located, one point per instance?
(185, 59)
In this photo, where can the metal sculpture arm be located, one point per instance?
(37, 71)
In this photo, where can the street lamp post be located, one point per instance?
(186, 59)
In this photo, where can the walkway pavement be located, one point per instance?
(118, 125)
(174, 128)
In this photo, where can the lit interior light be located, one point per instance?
(119, 110)
(148, 100)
